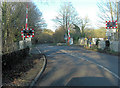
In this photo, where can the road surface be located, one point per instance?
(75, 66)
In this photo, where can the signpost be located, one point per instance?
(109, 32)
(111, 27)
(27, 33)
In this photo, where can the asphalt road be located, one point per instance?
(75, 66)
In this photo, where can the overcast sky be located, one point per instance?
(49, 8)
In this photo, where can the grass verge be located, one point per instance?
(94, 48)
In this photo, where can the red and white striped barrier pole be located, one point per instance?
(111, 25)
(68, 34)
(26, 25)
(27, 35)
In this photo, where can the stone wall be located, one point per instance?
(113, 45)
(24, 44)
(101, 45)
(17, 46)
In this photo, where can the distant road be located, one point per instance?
(75, 66)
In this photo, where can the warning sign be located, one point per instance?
(111, 25)
(27, 33)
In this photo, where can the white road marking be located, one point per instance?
(48, 55)
(38, 50)
(94, 63)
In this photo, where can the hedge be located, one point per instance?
(11, 59)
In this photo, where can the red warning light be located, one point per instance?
(111, 25)
(27, 33)
(32, 35)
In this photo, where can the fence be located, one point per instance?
(16, 46)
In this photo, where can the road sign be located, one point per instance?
(108, 34)
(27, 33)
(111, 25)
(65, 36)
(110, 31)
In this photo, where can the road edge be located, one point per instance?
(41, 71)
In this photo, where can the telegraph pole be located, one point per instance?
(26, 25)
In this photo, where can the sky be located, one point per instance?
(50, 8)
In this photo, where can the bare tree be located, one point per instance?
(13, 20)
(67, 13)
(84, 23)
(108, 10)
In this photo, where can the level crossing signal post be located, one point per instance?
(27, 33)
(68, 34)
(111, 29)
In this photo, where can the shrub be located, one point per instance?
(11, 59)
